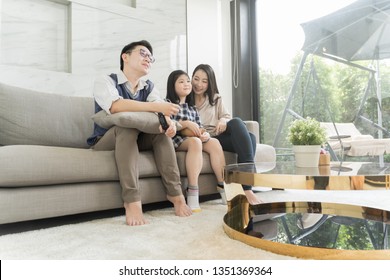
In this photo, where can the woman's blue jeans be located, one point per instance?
(237, 139)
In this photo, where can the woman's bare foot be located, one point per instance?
(134, 215)
(252, 197)
(179, 203)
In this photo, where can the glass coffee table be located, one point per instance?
(336, 176)
(310, 229)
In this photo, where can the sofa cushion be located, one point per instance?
(143, 121)
(36, 118)
(34, 165)
(29, 165)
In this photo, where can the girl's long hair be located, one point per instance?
(171, 92)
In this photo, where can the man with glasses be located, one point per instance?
(126, 91)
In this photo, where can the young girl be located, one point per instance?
(178, 90)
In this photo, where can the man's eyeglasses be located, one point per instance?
(144, 54)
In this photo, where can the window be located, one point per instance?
(280, 42)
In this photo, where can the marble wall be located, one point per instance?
(209, 41)
(60, 46)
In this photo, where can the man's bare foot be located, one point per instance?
(179, 203)
(252, 197)
(134, 215)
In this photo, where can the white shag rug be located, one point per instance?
(167, 237)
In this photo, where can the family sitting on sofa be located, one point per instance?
(65, 154)
(126, 91)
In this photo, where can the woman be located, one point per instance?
(231, 132)
(195, 139)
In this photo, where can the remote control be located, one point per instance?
(163, 121)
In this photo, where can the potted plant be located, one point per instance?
(307, 137)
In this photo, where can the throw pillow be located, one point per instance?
(29, 117)
(143, 121)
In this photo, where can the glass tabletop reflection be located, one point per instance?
(335, 176)
(309, 229)
(289, 168)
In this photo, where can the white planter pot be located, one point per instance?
(307, 155)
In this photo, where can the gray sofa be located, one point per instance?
(47, 169)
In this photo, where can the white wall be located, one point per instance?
(31, 45)
(208, 35)
(182, 38)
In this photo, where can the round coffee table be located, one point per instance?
(310, 229)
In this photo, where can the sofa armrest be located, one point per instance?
(264, 153)
(253, 127)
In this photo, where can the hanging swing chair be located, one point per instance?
(334, 37)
